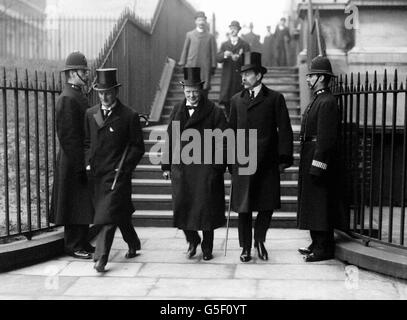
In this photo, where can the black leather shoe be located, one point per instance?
(261, 250)
(81, 254)
(89, 248)
(192, 249)
(315, 257)
(305, 251)
(100, 264)
(132, 253)
(207, 256)
(245, 255)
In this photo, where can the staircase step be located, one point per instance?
(157, 186)
(154, 172)
(164, 202)
(164, 218)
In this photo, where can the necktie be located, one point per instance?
(252, 95)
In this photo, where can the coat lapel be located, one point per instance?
(259, 98)
(204, 108)
(114, 116)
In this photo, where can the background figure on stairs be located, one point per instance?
(229, 54)
(252, 39)
(268, 48)
(198, 191)
(281, 39)
(114, 146)
(200, 51)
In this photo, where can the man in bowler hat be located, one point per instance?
(197, 188)
(200, 51)
(229, 54)
(321, 185)
(71, 204)
(114, 146)
(264, 110)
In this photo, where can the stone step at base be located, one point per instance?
(154, 158)
(162, 128)
(154, 172)
(160, 186)
(164, 202)
(156, 143)
(164, 219)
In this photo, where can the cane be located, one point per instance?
(227, 222)
(120, 167)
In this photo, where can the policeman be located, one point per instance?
(320, 186)
(71, 201)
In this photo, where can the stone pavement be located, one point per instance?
(161, 271)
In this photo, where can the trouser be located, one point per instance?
(260, 228)
(323, 242)
(76, 237)
(207, 243)
(105, 237)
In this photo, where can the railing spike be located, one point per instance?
(375, 80)
(395, 79)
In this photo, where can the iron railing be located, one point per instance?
(28, 151)
(374, 145)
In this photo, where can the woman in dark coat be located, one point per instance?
(321, 186)
(197, 189)
(229, 54)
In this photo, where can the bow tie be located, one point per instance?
(192, 107)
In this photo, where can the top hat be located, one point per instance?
(76, 61)
(192, 77)
(106, 79)
(236, 24)
(252, 60)
(321, 65)
(200, 14)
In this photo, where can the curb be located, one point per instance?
(375, 257)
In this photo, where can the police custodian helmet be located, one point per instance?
(76, 61)
(321, 65)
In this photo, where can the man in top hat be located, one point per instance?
(200, 51)
(197, 188)
(114, 146)
(281, 37)
(252, 39)
(264, 110)
(321, 184)
(71, 204)
(229, 54)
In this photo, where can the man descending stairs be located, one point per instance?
(152, 193)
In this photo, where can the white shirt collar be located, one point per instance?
(234, 40)
(200, 30)
(257, 89)
(110, 107)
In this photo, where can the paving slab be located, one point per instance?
(29, 285)
(205, 289)
(155, 256)
(111, 287)
(85, 269)
(290, 272)
(49, 268)
(187, 271)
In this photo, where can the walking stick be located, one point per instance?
(227, 223)
(120, 167)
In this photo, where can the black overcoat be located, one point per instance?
(198, 192)
(267, 114)
(231, 81)
(105, 143)
(321, 185)
(71, 201)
